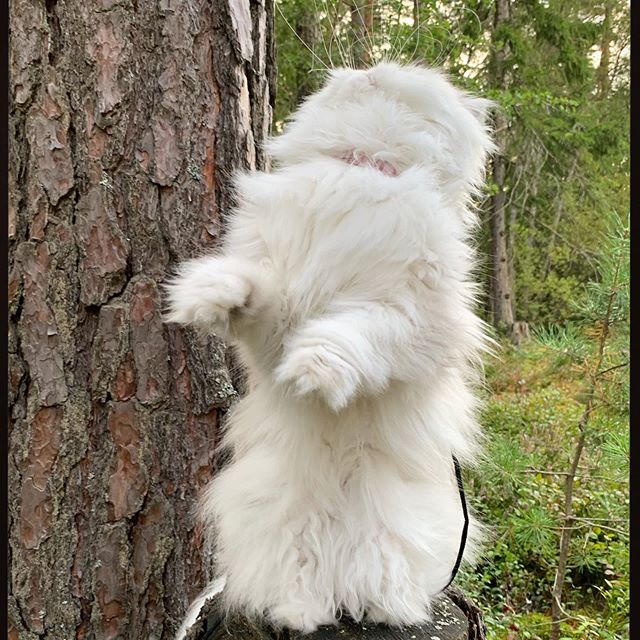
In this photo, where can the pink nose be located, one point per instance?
(361, 159)
(386, 167)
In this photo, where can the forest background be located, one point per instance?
(553, 487)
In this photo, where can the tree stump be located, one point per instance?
(455, 617)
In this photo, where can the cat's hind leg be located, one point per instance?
(273, 544)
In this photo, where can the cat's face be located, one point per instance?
(410, 113)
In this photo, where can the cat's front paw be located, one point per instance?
(304, 615)
(205, 293)
(322, 369)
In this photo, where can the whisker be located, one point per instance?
(398, 33)
(365, 38)
(410, 36)
(346, 61)
(324, 43)
(332, 32)
(311, 51)
(357, 40)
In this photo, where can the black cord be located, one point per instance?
(465, 527)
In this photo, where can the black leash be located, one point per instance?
(465, 527)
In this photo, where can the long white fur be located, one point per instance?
(349, 296)
(210, 591)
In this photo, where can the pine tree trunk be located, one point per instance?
(127, 119)
(501, 290)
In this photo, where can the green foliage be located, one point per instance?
(531, 417)
(534, 416)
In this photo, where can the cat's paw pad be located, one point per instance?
(205, 297)
(321, 369)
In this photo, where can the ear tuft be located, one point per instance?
(479, 107)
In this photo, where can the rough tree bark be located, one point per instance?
(127, 119)
(501, 290)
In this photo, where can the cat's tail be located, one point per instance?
(212, 589)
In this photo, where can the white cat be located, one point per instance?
(344, 282)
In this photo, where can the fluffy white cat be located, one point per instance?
(345, 284)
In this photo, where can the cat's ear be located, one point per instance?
(479, 108)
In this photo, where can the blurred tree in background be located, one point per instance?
(554, 487)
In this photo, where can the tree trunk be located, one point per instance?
(501, 295)
(559, 211)
(501, 291)
(127, 120)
